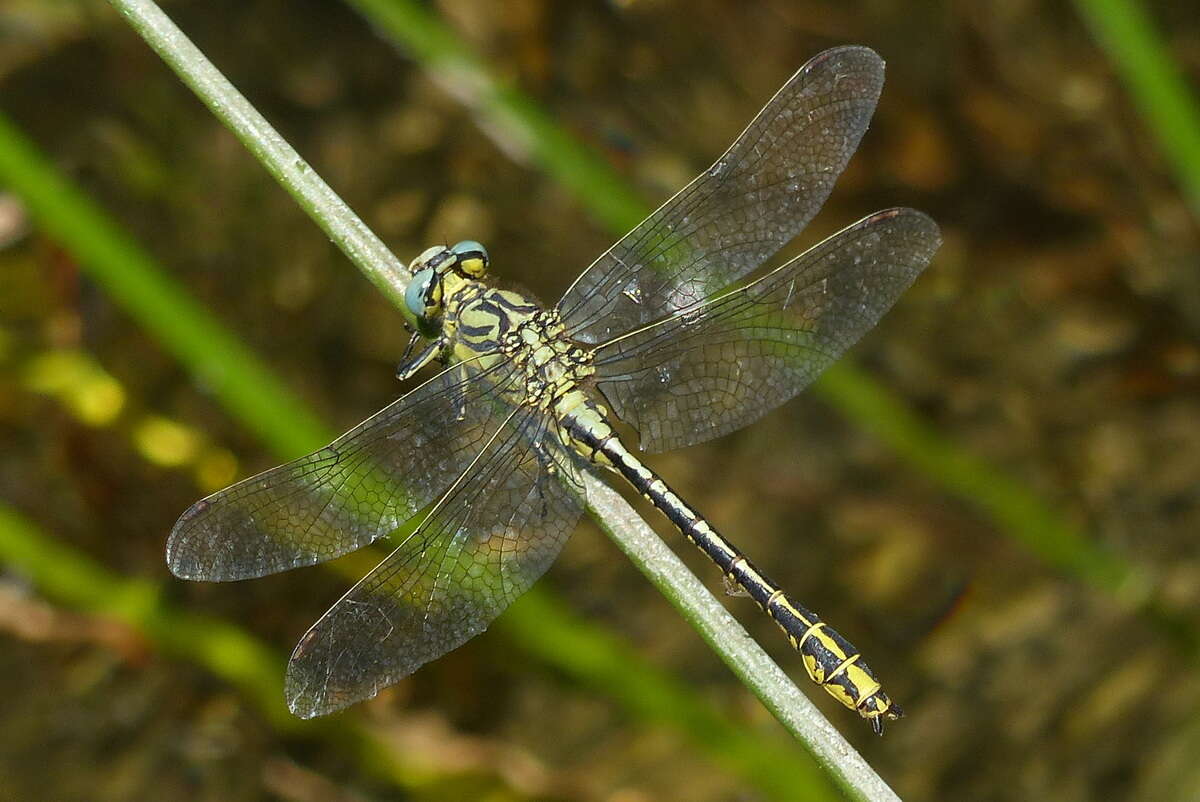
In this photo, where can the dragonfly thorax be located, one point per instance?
(552, 363)
(486, 325)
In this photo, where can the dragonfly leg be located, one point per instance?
(410, 363)
(547, 472)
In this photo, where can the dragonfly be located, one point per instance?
(483, 464)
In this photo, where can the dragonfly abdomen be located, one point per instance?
(830, 659)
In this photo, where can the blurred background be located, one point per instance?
(997, 499)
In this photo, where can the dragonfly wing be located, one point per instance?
(722, 364)
(360, 487)
(752, 201)
(486, 541)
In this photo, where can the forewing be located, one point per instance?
(754, 199)
(360, 487)
(720, 365)
(487, 540)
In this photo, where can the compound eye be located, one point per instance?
(430, 257)
(423, 295)
(472, 258)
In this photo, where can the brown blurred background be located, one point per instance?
(1054, 337)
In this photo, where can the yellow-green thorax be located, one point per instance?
(488, 325)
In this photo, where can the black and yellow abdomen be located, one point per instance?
(830, 659)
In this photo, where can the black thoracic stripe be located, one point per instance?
(520, 309)
(490, 306)
(503, 310)
(479, 331)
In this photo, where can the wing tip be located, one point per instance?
(304, 708)
(194, 549)
(180, 559)
(191, 552)
(843, 61)
(180, 570)
(919, 221)
(185, 566)
(866, 59)
(837, 50)
(303, 700)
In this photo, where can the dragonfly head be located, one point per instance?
(426, 291)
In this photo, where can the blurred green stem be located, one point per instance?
(514, 119)
(1125, 30)
(64, 574)
(217, 361)
(226, 650)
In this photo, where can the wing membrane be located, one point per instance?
(360, 487)
(755, 198)
(489, 538)
(720, 365)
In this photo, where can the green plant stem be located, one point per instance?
(310, 191)
(1126, 32)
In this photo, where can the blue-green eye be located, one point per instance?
(468, 246)
(472, 258)
(424, 293)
